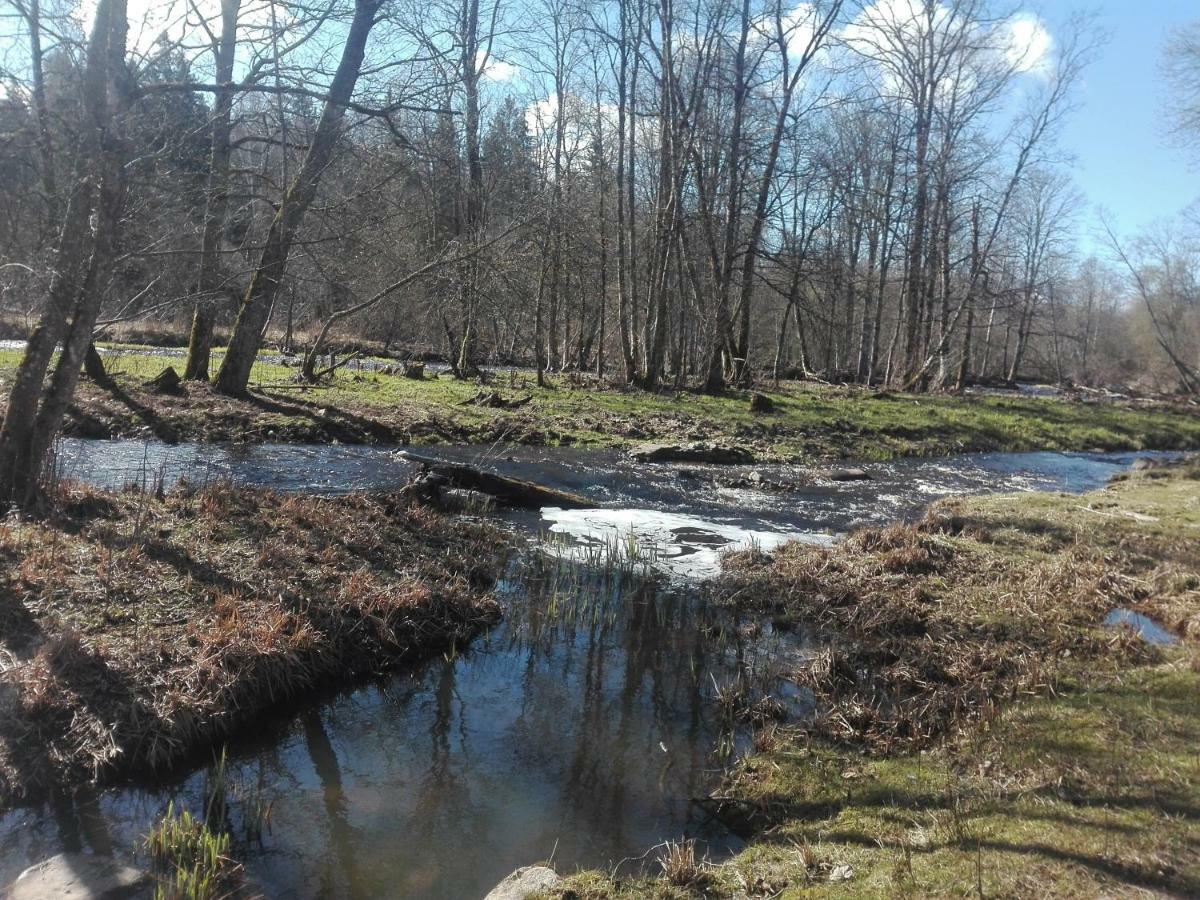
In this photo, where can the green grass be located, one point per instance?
(810, 422)
(1096, 791)
(190, 860)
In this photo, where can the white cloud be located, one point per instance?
(495, 69)
(884, 29)
(799, 26)
(1029, 44)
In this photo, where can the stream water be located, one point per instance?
(581, 729)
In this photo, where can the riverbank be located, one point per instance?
(980, 732)
(136, 631)
(806, 422)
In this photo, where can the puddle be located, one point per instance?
(1145, 627)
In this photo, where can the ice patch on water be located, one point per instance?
(679, 544)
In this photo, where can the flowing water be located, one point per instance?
(583, 728)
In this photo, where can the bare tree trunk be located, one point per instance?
(34, 411)
(624, 197)
(791, 78)
(216, 199)
(964, 364)
(234, 374)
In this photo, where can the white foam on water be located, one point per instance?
(678, 544)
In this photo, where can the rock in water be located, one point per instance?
(525, 882)
(79, 876)
(848, 475)
(696, 452)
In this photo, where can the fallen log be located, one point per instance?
(507, 490)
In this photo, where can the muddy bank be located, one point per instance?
(135, 632)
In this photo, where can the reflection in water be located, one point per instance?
(341, 833)
(581, 728)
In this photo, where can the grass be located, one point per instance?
(809, 422)
(136, 631)
(979, 733)
(190, 861)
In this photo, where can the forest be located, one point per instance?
(690, 193)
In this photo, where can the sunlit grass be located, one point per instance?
(810, 421)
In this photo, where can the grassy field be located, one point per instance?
(1001, 743)
(809, 421)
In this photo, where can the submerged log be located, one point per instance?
(507, 490)
(847, 475)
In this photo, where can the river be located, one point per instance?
(581, 729)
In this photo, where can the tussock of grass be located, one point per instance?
(190, 861)
(932, 624)
(135, 631)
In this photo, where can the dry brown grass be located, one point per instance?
(932, 625)
(679, 864)
(134, 632)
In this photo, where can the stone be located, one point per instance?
(848, 475)
(1145, 463)
(525, 882)
(165, 382)
(695, 452)
(841, 873)
(79, 876)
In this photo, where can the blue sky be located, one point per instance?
(1124, 159)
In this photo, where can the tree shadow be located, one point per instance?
(338, 423)
(19, 629)
(160, 427)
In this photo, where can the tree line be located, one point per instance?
(664, 192)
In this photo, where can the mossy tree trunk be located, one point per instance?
(82, 262)
(216, 199)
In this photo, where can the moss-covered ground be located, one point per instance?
(808, 422)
